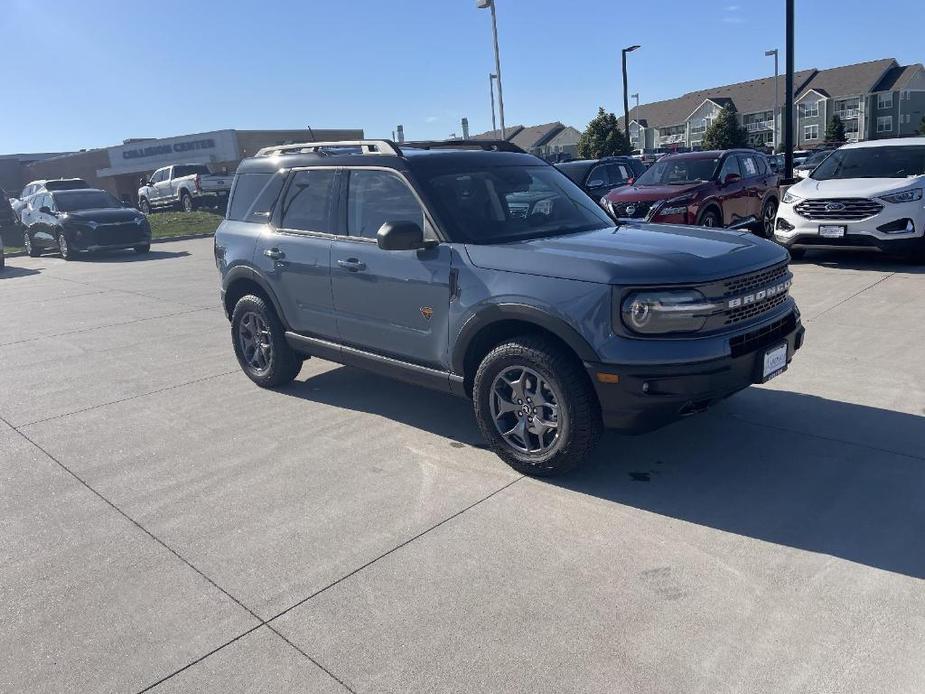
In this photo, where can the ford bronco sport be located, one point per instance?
(478, 269)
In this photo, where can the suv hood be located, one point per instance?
(106, 215)
(634, 254)
(853, 187)
(648, 193)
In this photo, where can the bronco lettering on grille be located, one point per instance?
(755, 297)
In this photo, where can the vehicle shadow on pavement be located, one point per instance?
(725, 469)
(11, 272)
(129, 256)
(861, 260)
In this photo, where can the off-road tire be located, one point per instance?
(143, 248)
(284, 363)
(579, 418)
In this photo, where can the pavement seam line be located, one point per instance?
(100, 327)
(843, 301)
(317, 664)
(128, 398)
(778, 427)
(103, 288)
(394, 549)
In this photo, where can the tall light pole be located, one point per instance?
(491, 88)
(773, 52)
(635, 96)
(626, 100)
(788, 96)
(490, 4)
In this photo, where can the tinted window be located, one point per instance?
(504, 203)
(190, 169)
(598, 176)
(730, 166)
(377, 197)
(67, 184)
(618, 173)
(680, 171)
(873, 162)
(307, 205)
(748, 165)
(246, 189)
(574, 170)
(70, 201)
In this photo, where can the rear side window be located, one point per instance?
(749, 167)
(253, 197)
(307, 203)
(377, 197)
(190, 169)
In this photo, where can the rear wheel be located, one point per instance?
(260, 343)
(710, 218)
(768, 215)
(186, 202)
(535, 406)
(30, 249)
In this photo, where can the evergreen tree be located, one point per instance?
(602, 137)
(835, 131)
(725, 132)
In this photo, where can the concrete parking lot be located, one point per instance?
(164, 523)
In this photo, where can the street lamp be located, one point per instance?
(635, 96)
(490, 4)
(769, 53)
(491, 88)
(626, 100)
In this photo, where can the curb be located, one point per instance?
(166, 239)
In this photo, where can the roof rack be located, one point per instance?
(365, 146)
(487, 145)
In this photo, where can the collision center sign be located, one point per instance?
(148, 155)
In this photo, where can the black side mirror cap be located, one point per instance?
(401, 236)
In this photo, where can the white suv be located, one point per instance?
(867, 194)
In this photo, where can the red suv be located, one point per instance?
(712, 189)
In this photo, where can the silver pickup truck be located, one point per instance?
(184, 187)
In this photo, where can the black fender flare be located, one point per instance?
(497, 313)
(247, 273)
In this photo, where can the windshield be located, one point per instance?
(675, 172)
(506, 203)
(873, 162)
(816, 158)
(66, 184)
(72, 201)
(190, 169)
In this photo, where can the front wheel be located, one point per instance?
(30, 249)
(260, 343)
(144, 206)
(796, 253)
(64, 248)
(535, 406)
(710, 219)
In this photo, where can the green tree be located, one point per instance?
(602, 137)
(922, 126)
(835, 131)
(725, 132)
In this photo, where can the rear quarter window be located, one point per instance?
(253, 196)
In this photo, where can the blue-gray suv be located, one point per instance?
(477, 269)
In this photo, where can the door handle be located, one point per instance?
(352, 264)
(274, 254)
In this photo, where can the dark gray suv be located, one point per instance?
(480, 270)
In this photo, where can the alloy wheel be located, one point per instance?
(524, 407)
(27, 243)
(256, 343)
(770, 212)
(62, 245)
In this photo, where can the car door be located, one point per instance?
(389, 302)
(41, 227)
(597, 183)
(732, 195)
(294, 252)
(751, 178)
(162, 192)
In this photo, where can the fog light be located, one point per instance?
(784, 225)
(900, 226)
(607, 378)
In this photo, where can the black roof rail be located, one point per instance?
(487, 145)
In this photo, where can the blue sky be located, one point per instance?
(91, 73)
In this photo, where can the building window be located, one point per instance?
(811, 132)
(885, 100)
(885, 124)
(809, 109)
(908, 119)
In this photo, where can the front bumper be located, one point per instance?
(795, 231)
(103, 239)
(649, 397)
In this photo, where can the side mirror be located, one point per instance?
(45, 209)
(731, 178)
(400, 236)
(596, 183)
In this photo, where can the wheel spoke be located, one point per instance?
(525, 409)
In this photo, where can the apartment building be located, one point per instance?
(552, 141)
(875, 99)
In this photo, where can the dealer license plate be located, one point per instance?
(832, 231)
(775, 362)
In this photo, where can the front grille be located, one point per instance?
(838, 208)
(115, 234)
(761, 337)
(743, 313)
(631, 210)
(752, 295)
(745, 283)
